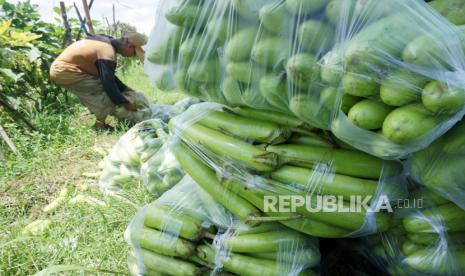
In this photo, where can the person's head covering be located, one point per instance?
(138, 40)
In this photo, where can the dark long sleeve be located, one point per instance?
(122, 87)
(110, 82)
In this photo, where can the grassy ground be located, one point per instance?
(86, 229)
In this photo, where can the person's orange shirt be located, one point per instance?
(79, 60)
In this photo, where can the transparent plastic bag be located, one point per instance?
(147, 110)
(121, 168)
(354, 67)
(427, 237)
(441, 166)
(245, 163)
(186, 232)
(161, 172)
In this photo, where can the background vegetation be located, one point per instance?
(61, 154)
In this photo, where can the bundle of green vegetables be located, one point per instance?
(185, 232)
(140, 154)
(428, 238)
(240, 160)
(122, 165)
(384, 76)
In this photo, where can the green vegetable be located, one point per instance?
(61, 199)
(360, 85)
(261, 228)
(232, 92)
(315, 36)
(369, 114)
(316, 228)
(385, 38)
(240, 46)
(408, 123)
(410, 247)
(265, 242)
(401, 88)
(301, 7)
(168, 265)
(321, 224)
(166, 51)
(347, 162)
(134, 268)
(274, 17)
(428, 50)
(165, 80)
(331, 70)
(302, 70)
(248, 8)
(321, 183)
(184, 15)
(452, 10)
(310, 139)
(219, 29)
(276, 117)
(449, 216)
(309, 108)
(431, 261)
(162, 243)
(205, 71)
(225, 145)
(206, 178)
(168, 220)
(297, 257)
(274, 90)
(330, 99)
(440, 98)
(253, 129)
(339, 10)
(244, 72)
(190, 48)
(270, 52)
(240, 264)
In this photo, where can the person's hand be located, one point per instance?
(129, 106)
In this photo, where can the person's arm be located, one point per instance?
(122, 87)
(106, 69)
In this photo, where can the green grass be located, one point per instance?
(135, 77)
(83, 234)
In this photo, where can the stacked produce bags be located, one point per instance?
(354, 67)
(122, 166)
(141, 154)
(432, 236)
(320, 117)
(186, 232)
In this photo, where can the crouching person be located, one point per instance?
(87, 69)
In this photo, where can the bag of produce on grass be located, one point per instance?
(187, 232)
(121, 168)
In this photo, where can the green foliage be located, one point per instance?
(27, 48)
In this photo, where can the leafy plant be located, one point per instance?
(28, 46)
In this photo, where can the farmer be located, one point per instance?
(87, 68)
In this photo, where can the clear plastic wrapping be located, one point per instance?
(123, 164)
(161, 172)
(186, 232)
(141, 154)
(441, 166)
(145, 110)
(251, 165)
(353, 67)
(427, 237)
